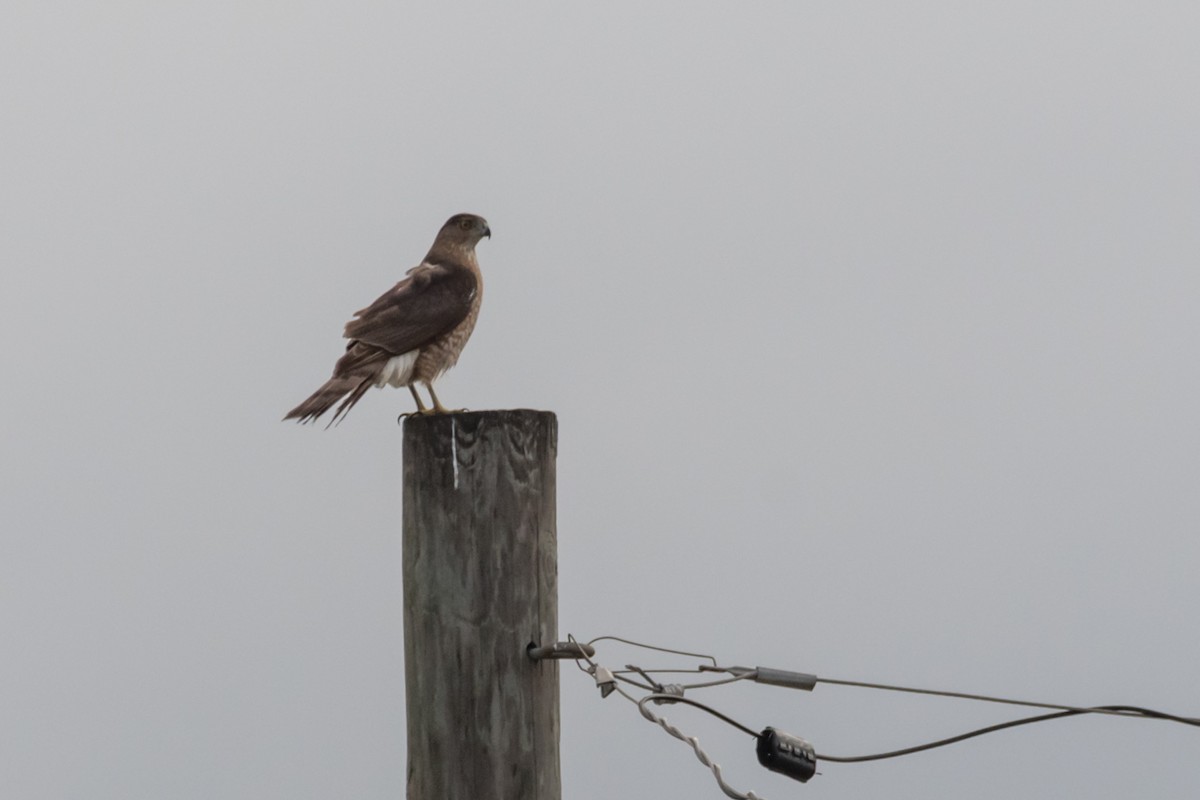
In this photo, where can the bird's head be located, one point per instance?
(465, 230)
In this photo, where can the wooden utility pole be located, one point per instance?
(480, 586)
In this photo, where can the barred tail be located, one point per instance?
(352, 387)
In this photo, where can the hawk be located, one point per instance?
(415, 331)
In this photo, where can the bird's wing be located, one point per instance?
(429, 302)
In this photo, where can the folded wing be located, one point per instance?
(431, 301)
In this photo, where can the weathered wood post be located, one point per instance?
(480, 585)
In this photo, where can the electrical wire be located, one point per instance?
(722, 682)
(1133, 711)
(693, 741)
(670, 698)
(657, 693)
(656, 687)
(654, 647)
(1130, 711)
(1123, 710)
(950, 740)
(1008, 701)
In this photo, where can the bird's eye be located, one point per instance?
(465, 224)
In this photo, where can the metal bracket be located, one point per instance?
(571, 650)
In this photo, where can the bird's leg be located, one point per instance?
(420, 406)
(421, 409)
(438, 408)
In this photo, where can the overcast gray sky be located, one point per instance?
(881, 314)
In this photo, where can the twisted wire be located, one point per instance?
(694, 742)
(668, 727)
(674, 693)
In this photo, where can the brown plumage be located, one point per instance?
(415, 331)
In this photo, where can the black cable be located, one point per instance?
(671, 698)
(1132, 711)
(1149, 713)
(1066, 711)
(941, 742)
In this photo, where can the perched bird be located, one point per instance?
(413, 332)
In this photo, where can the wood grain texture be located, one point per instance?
(480, 584)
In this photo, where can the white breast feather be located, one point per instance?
(398, 370)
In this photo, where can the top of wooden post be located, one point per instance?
(499, 416)
(449, 438)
